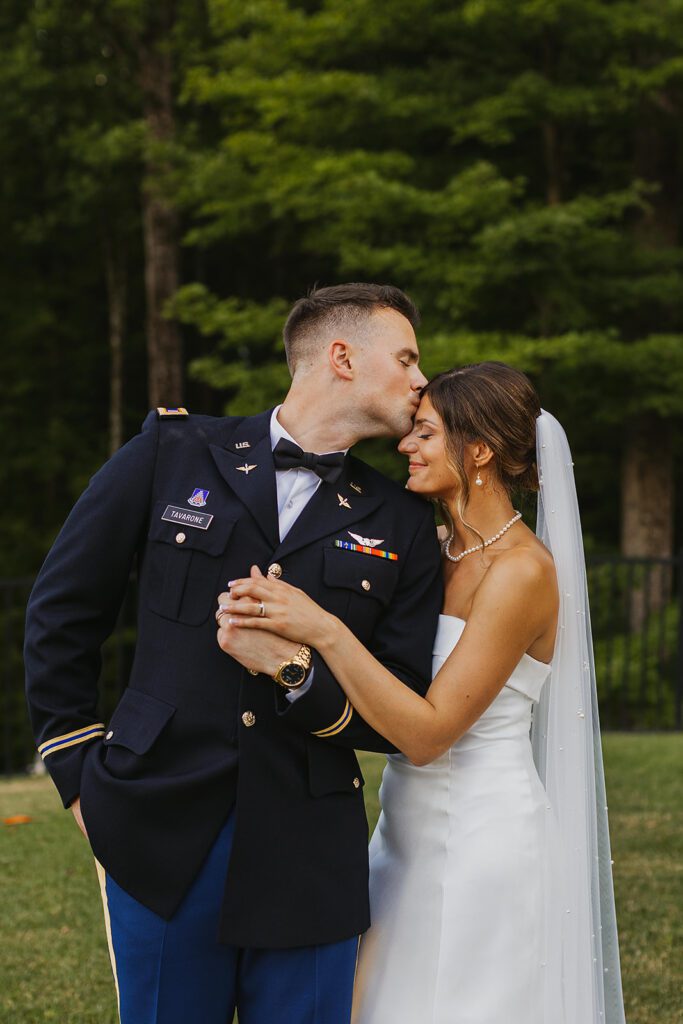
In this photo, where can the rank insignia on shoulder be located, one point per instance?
(198, 497)
(164, 413)
(365, 549)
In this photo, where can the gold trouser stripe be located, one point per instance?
(340, 724)
(102, 878)
(86, 732)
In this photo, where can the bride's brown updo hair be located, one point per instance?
(489, 402)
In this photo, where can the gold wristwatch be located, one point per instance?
(292, 673)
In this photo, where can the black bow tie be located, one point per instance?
(287, 455)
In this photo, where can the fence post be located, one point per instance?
(679, 658)
(6, 683)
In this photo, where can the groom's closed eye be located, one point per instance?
(407, 356)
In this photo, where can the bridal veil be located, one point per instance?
(581, 958)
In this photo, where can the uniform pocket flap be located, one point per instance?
(186, 537)
(332, 769)
(137, 721)
(364, 574)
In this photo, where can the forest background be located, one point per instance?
(175, 173)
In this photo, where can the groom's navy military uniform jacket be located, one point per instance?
(194, 734)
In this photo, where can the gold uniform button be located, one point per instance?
(275, 570)
(365, 584)
(180, 538)
(356, 783)
(249, 719)
(109, 734)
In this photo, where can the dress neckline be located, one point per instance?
(543, 664)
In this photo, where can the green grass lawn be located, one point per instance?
(54, 964)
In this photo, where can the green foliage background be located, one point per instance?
(515, 167)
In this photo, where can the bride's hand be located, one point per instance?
(264, 603)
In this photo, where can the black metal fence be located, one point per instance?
(636, 615)
(637, 624)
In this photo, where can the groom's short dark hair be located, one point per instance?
(340, 307)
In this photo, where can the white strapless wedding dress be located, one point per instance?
(456, 870)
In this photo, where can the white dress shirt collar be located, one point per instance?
(277, 431)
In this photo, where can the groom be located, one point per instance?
(223, 801)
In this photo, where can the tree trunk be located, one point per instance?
(553, 162)
(647, 501)
(552, 150)
(657, 160)
(164, 341)
(552, 158)
(648, 489)
(160, 221)
(117, 298)
(647, 512)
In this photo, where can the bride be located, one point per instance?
(490, 878)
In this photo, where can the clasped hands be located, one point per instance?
(263, 622)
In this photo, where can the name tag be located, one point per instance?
(174, 514)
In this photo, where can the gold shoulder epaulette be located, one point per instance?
(164, 413)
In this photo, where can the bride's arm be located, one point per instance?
(512, 608)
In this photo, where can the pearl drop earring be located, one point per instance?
(479, 482)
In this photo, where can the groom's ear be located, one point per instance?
(340, 354)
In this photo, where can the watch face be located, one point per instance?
(293, 674)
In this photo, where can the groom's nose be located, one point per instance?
(418, 379)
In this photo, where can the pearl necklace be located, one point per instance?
(478, 547)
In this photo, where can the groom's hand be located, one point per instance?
(76, 811)
(255, 649)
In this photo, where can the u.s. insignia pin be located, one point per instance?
(198, 497)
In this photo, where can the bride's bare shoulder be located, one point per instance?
(529, 565)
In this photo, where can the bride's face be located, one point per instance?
(429, 472)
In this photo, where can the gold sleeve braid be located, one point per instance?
(339, 725)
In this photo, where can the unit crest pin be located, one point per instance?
(198, 497)
(343, 502)
(246, 468)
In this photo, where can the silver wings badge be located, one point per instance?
(366, 542)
